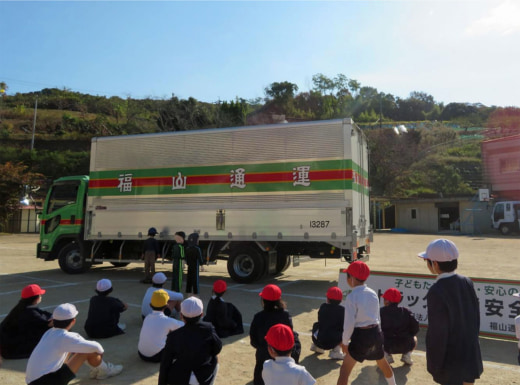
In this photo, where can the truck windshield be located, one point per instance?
(62, 195)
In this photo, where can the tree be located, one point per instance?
(13, 178)
(281, 92)
(323, 84)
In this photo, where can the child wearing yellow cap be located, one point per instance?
(156, 327)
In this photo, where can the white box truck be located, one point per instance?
(257, 195)
(506, 216)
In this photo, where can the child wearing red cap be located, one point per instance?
(361, 326)
(328, 331)
(25, 324)
(282, 369)
(274, 312)
(224, 316)
(399, 328)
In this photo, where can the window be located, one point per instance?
(414, 213)
(62, 195)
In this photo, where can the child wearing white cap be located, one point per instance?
(49, 364)
(452, 345)
(174, 303)
(190, 354)
(104, 312)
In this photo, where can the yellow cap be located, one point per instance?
(159, 298)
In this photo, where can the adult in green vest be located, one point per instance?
(178, 257)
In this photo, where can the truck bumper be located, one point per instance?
(45, 255)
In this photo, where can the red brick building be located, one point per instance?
(501, 161)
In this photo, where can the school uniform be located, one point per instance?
(327, 332)
(399, 327)
(18, 341)
(262, 322)
(178, 256)
(452, 345)
(46, 363)
(152, 338)
(190, 349)
(224, 316)
(145, 305)
(194, 259)
(361, 325)
(103, 317)
(283, 370)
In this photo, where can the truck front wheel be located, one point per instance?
(71, 259)
(505, 229)
(245, 265)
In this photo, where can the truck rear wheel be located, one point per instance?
(245, 265)
(71, 260)
(282, 263)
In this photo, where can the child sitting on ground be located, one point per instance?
(104, 312)
(25, 324)
(282, 369)
(174, 303)
(328, 331)
(361, 326)
(59, 354)
(399, 328)
(190, 354)
(224, 316)
(155, 328)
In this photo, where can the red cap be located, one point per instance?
(335, 293)
(271, 293)
(393, 295)
(280, 337)
(219, 286)
(358, 270)
(32, 291)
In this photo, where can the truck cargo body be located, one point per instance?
(277, 190)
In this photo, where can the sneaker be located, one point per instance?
(108, 370)
(316, 349)
(121, 326)
(407, 358)
(336, 354)
(389, 358)
(93, 372)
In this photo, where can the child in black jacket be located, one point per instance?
(328, 331)
(224, 316)
(399, 328)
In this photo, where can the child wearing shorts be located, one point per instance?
(361, 326)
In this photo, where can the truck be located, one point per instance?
(506, 216)
(257, 196)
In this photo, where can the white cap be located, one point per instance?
(191, 307)
(516, 295)
(441, 250)
(64, 312)
(159, 278)
(103, 285)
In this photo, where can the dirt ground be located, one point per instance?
(303, 288)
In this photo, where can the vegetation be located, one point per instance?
(438, 156)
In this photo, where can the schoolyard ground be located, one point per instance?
(303, 287)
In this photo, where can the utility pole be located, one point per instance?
(380, 110)
(34, 122)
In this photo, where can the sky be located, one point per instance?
(457, 51)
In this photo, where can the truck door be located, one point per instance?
(498, 214)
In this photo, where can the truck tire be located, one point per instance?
(71, 260)
(120, 264)
(505, 229)
(245, 265)
(282, 263)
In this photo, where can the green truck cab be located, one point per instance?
(62, 224)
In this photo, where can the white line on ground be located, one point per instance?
(43, 287)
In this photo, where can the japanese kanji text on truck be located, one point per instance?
(256, 195)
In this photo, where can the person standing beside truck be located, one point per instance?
(178, 257)
(193, 260)
(151, 252)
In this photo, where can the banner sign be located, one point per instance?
(498, 306)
